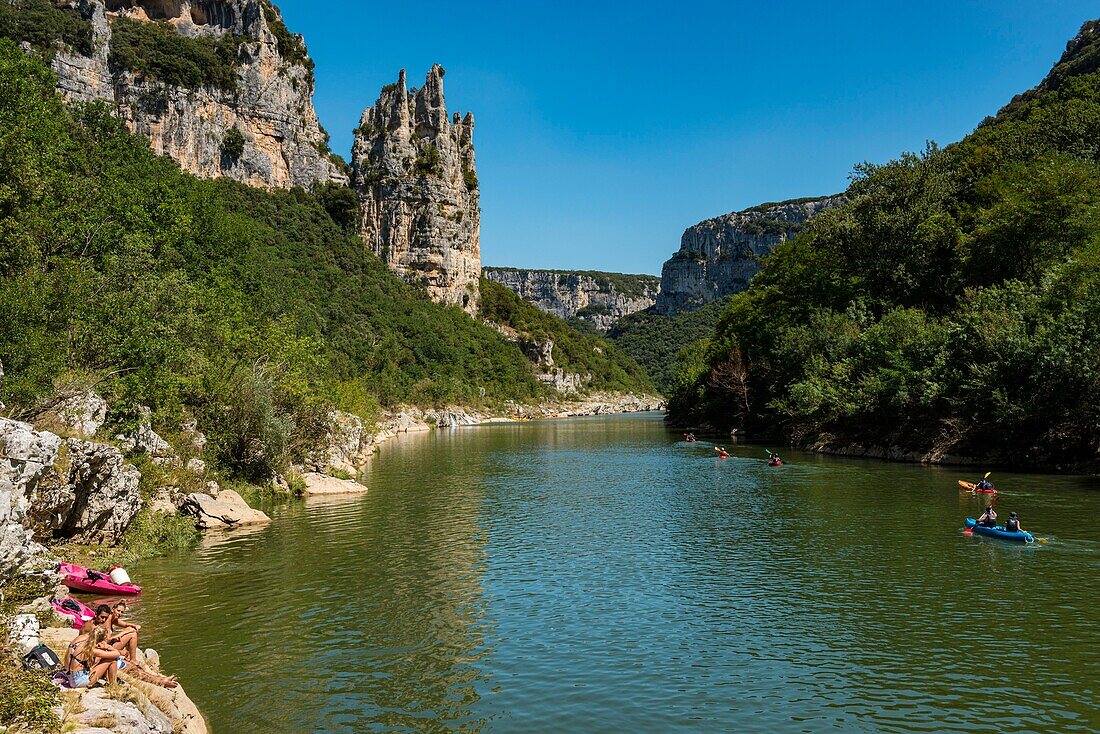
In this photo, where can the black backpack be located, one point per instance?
(41, 658)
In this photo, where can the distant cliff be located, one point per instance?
(413, 170)
(599, 298)
(717, 257)
(220, 86)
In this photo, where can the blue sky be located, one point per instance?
(605, 129)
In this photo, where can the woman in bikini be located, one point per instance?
(89, 657)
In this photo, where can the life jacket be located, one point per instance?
(1012, 525)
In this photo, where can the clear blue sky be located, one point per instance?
(604, 129)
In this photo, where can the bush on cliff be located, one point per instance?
(253, 311)
(949, 306)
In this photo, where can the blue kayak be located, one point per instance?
(999, 532)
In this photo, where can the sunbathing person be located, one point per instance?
(88, 658)
(121, 635)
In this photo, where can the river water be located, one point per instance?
(600, 575)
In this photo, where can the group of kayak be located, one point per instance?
(773, 458)
(987, 523)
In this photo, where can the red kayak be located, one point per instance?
(775, 463)
(77, 611)
(971, 487)
(78, 578)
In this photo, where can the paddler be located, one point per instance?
(983, 485)
(1012, 525)
(988, 518)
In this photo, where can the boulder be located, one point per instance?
(227, 510)
(26, 456)
(322, 484)
(144, 440)
(80, 414)
(346, 446)
(23, 632)
(91, 495)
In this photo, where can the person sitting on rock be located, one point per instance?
(124, 640)
(124, 635)
(88, 658)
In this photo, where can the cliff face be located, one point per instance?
(717, 257)
(600, 298)
(413, 170)
(187, 73)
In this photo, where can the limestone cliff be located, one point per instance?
(413, 170)
(220, 86)
(599, 298)
(717, 257)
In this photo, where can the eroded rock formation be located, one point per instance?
(599, 298)
(251, 120)
(718, 257)
(413, 170)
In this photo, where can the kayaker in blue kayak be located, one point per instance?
(988, 518)
(1013, 524)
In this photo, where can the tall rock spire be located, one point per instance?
(413, 170)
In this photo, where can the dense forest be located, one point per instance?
(655, 340)
(950, 307)
(254, 311)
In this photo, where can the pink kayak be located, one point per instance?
(78, 578)
(75, 610)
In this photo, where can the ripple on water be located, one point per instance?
(596, 575)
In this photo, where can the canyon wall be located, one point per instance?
(220, 86)
(599, 298)
(718, 257)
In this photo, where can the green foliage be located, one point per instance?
(654, 340)
(44, 24)
(27, 699)
(575, 352)
(949, 306)
(428, 162)
(470, 179)
(233, 144)
(22, 590)
(254, 312)
(154, 49)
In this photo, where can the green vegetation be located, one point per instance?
(470, 179)
(233, 144)
(655, 340)
(155, 50)
(254, 312)
(27, 698)
(573, 351)
(948, 307)
(428, 161)
(44, 24)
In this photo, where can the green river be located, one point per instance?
(601, 575)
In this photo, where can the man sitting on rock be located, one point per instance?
(121, 635)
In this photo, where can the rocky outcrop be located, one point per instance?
(252, 120)
(81, 413)
(144, 440)
(413, 170)
(90, 495)
(599, 298)
(324, 484)
(719, 256)
(226, 510)
(62, 489)
(26, 456)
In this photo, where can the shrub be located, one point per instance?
(428, 162)
(154, 49)
(470, 179)
(44, 24)
(27, 698)
(233, 144)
